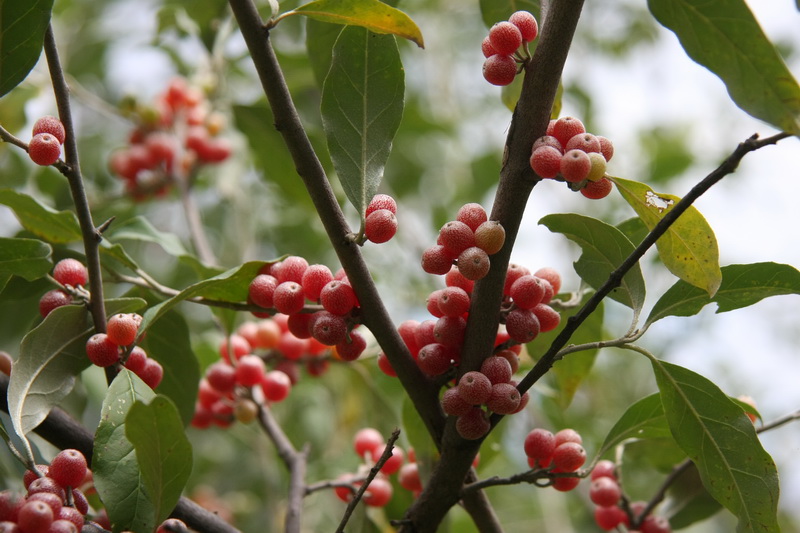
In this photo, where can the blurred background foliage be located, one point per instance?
(447, 152)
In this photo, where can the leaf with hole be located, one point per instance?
(742, 286)
(725, 37)
(721, 441)
(362, 104)
(163, 452)
(114, 466)
(689, 247)
(373, 15)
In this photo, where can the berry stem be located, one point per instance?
(72, 171)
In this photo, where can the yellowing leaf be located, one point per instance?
(371, 14)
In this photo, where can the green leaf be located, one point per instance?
(50, 357)
(634, 229)
(725, 37)
(494, 11)
(53, 226)
(27, 258)
(604, 249)
(688, 500)
(689, 247)
(320, 38)
(116, 470)
(22, 29)
(723, 444)
(742, 285)
(163, 452)
(167, 341)
(570, 371)
(362, 104)
(230, 286)
(642, 420)
(373, 15)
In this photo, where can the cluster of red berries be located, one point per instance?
(116, 345)
(606, 493)
(48, 136)
(500, 47)
(526, 309)
(70, 273)
(369, 444)
(380, 223)
(467, 241)
(559, 453)
(55, 501)
(260, 363)
(287, 285)
(177, 134)
(567, 152)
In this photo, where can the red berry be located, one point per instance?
(504, 399)
(368, 440)
(394, 462)
(314, 279)
(424, 333)
(655, 524)
(276, 385)
(527, 291)
(487, 48)
(513, 273)
(292, 347)
(300, 325)
(152, 373)
(51, 125)
(473, 263)
(449, 330)
(338, 297)
(238, 345)
(522, 325)
(30, 476)
(378, 492)
(575, 166)
(569, 456)
(79, 501)
(136, 360)
(526, 23)
(546, 161)
(408, 476)
(551, 275)
(548, 317)
(290, 269)
(585, 142)
(35, 516)
(436, 260)
(596, 190)
(261, 290)
(101, 350)
(352, 347)
(55, 502)
(605, 491)
(432, 303)
(497, 369)
(566, 484)
(250, 370)
(456, 237)
(604, 468)
(434, 359)
(511, 357)
(381, 201)
(608, 518)
(472, 214)
(407, 330)
(539, 446)
(566, 128)
(70, 272)
(68, 468)
(606, 147)
(505, 38)
(453, 301)
(380, 226)
(289, 298)
(453, 404)
(72, 515)
(474, 388)
(385, 366)
(500, 69)
(473, 425)
(568, 435)
(122, 328)
(490, 237)
(44, 149)
(329, 329)
(52, 300)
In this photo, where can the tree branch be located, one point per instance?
(72, 171)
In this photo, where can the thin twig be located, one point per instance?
(72, 171)
(387, 453)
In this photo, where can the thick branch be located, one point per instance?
(421, 391)
(64, 432)
(72, 171)
(542, 75)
